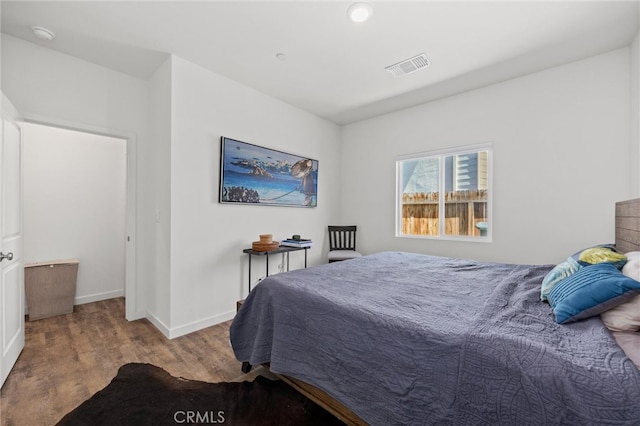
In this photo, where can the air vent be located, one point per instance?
(409, 65)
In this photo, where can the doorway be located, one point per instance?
(76, 205)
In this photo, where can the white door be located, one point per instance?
(11, 262)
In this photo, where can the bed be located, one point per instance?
(404, 338)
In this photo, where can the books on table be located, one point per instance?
(296, 243)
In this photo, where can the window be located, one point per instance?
(453, 184)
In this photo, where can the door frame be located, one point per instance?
(132, 312)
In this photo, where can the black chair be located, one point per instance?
(342, 243)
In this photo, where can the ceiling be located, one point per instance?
(333, 68)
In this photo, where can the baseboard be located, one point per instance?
(98, 297)
(157, 322)
(199, 325)
(172, 333)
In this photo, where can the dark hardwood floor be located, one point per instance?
(68, 358)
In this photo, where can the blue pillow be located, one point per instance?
(584, 257)
(590, 291)
(557, 274)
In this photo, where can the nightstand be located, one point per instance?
(281, 249)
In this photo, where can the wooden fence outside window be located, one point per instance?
(463, 211)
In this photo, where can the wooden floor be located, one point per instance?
(68, 358)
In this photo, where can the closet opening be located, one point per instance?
(78, 205)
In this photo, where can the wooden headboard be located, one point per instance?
(628, 225)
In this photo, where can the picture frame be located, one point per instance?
(252, 174)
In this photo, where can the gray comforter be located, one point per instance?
(411, 339)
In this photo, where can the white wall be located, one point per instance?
(561, 145)
(208, 268)
(634, 157)
(75, 205)
(57, 88)
(157, 156)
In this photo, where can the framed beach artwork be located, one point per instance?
(251, 174)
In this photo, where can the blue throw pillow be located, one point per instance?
(590, 291)
(557, 274)
(585, 257)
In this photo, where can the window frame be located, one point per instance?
(441, 154)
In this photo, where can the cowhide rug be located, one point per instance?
(143, 394)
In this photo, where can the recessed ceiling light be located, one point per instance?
(359, 12)
(43, 33)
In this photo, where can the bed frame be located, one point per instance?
(324, 400)
(627, 238)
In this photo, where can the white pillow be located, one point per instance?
(632, 267)
(626, 317)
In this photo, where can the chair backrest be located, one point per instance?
(342, 237)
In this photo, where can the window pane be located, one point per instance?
(466, 183)
(445, 194)
(420, 195)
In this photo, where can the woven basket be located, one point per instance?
(266, 243)
(260, 246)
